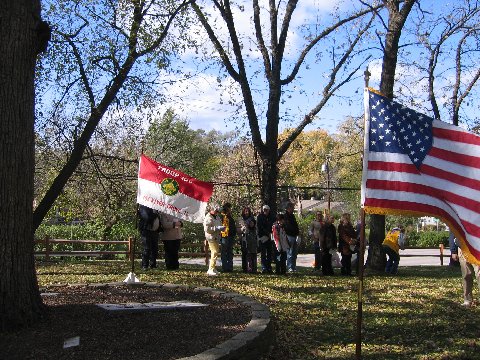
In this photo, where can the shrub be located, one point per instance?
(427, 238)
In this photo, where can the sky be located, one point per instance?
(199, 99)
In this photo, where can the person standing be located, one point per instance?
(394, 241)
(328, 245)
(292, 231)
(469, 272)
(265, 222)
(212, 226)
(280, 239)
(346, 243)
(171, 237)
(249, 240)
(227, 238)
(317, 233)
(149, 226)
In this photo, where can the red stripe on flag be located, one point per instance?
(455, 157)
(426, 190)
(457, 136)
(392, 166)
(451, 177)
(152, 171)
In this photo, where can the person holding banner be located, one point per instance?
(149, 225)
(212, 226)
(171, 237)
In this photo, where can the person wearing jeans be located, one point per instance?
(292, 231)
(394, 241)
(228, 238)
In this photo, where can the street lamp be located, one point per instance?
(326, 168)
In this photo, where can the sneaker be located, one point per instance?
(211, 272)
(467, 303)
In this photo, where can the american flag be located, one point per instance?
(415, 165)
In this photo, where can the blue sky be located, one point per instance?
(198, 100)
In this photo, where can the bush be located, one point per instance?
(427, 238)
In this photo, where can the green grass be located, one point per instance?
(416, 315)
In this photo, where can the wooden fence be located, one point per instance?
(129, 248)
(200, 249)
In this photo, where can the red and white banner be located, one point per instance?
(171, 191)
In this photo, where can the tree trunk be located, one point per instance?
(20, 301)
(269, 182)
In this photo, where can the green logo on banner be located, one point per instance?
(169, 186)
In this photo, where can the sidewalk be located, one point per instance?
(411, 257)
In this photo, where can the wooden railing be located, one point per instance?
(128, 251)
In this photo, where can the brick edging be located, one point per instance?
(251, 343)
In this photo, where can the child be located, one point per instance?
(281, 245)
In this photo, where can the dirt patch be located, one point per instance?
(160, 335)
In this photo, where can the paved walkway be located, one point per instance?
(408, 257)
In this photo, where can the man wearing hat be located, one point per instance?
(264, 231)
(212, 225)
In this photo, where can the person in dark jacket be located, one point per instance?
(149, 225)
(228, 238)
(265, 222)
(328, 245)
(346, 242)
(292, 231)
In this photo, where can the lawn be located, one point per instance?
(415, 315)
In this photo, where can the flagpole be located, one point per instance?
(358, 347)
(361, 254)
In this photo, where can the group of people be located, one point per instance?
(277, 240)
(151, 223)
(274, 238)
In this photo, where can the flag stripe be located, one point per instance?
(460, 211)
(184, 207)
(451, 156)
(196, 189)
(421, 208)
(451, 198)
(452, 177)
(454, 135)
(444, 180)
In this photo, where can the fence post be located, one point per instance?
(441, 254)
(130, 248)
(47, 248)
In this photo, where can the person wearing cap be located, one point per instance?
(394, 241)
(265, 222)
(212, 226)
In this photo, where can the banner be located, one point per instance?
(171, 191)
(415, 165)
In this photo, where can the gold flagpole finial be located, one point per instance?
(367, 77)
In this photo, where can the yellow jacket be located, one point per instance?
(394, 240)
